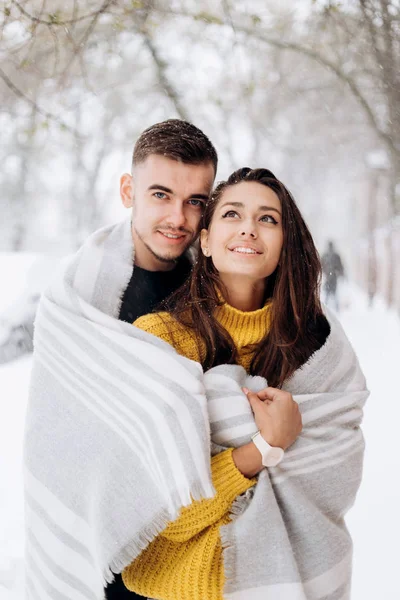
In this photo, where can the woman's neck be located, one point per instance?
(242, 294)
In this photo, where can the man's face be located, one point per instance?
(167, 198)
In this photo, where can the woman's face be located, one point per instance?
(245, 236)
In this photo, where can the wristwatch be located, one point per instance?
(271, 455)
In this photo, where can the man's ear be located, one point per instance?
(204, 242)
(126, 190)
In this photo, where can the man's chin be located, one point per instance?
(167, 259)
(170, 256)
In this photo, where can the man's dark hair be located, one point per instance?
(175, 139)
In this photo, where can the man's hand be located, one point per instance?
(277, 416)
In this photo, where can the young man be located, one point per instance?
(173, 169)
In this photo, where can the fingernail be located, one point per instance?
(246, 391)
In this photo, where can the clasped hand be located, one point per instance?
(278, 419)
(277, 416)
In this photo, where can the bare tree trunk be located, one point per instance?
(394, 176)
(371, 238)
(391, 267)
(78, 199)
(93, 210)
(21, 205)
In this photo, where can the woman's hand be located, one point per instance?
(278, 418)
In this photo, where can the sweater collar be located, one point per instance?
(245, 327)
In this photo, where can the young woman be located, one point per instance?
(253, 300)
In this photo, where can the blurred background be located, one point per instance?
(309, 89)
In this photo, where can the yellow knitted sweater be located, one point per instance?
(185, 561)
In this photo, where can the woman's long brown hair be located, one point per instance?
(293, 289)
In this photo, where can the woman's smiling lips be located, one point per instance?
(244, 249)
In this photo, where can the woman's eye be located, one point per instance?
(268, 219)
(160, 195)
(230, 213)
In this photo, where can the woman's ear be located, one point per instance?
(204, 242)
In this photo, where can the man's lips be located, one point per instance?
(173, 237)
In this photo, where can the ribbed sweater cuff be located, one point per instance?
(228, 481)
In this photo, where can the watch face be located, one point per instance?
(274, 457)
(271, 455)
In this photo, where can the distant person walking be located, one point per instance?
(332, 268)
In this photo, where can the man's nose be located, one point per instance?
(177, 216)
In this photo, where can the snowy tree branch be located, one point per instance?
(32, 103)
(55, 19)
(163, 79)
(78, 49)
(254, 33)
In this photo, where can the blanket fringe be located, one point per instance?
(228, 538)
(134, 548)
(148, 534)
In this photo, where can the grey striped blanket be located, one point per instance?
(288, 539)
(118, 440)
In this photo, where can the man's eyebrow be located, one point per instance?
(200, 196)
(241, 205)
(157, 186)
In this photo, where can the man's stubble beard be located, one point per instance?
(164, 259)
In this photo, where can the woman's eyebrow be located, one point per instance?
(269, 208)
(237, 204)
(241, 205)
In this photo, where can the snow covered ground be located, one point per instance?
(374, 521)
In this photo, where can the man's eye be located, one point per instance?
(196, 202)
(160, 195)
(230, 213)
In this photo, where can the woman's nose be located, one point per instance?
(252, 234)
